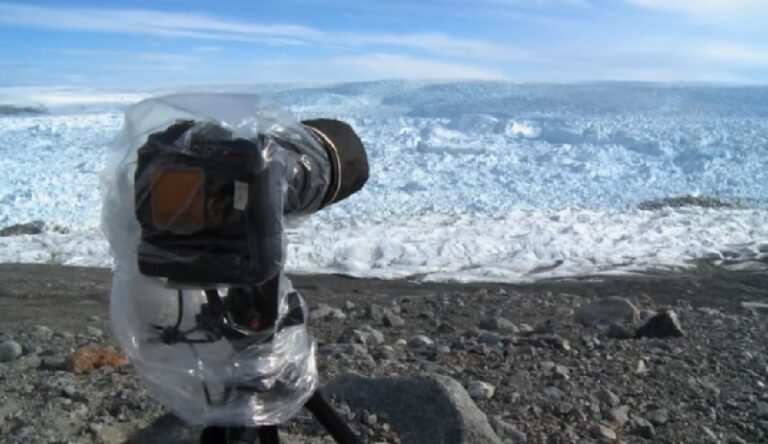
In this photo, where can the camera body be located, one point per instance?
(209, 206)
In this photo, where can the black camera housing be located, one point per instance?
(227, 227)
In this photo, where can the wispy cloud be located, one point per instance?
(196, 26)
(714, 9)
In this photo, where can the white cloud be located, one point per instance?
(196, 26)
(715, 9)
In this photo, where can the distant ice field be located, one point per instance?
(469, 181)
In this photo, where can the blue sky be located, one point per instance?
(173, 42)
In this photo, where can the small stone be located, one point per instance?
(606, 311)
(392, 320)
(481, 390)
(489, 338)
(607, 397)
(664, 325)
(53, 363)
(619, 416)
(376, 312)
(93, 331)
(498, 324)
(643, 429)
(641, 369)
(42, 332)
(547, 366)
(349, 305)
(94, 318)
(525, 328)
(560, 372)
(602, 432)
(89, 358)
(657, 417)
(325, 311)
(10, 350)
(420, 341)
(446, 328)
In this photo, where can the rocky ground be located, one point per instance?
(551, 362)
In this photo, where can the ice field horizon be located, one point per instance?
(470, 181)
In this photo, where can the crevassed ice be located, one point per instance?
(469, 181)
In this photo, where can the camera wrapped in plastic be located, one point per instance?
(195, 194)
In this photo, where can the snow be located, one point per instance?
(472, 181)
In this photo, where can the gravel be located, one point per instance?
(551, 378)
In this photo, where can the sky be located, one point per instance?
(135, 43)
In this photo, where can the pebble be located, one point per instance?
(325, 311)
(393, 320)
(93, 331)
(498, 324)
(602, 432)
(607, 397)
(42, 332)
(657, 417)
(481, 390)
(10, 350)
(420, 341)
(561, 372)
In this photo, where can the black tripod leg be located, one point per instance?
(330, 420)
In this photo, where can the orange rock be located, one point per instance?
(88, 358)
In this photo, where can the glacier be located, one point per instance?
(470, 181)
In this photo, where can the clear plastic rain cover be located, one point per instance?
(194, 194)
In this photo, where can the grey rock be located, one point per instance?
(393, 320)
(481, 390)
(325, 311)
(664, 325)
(602, 432)
(613, 309)
(489, 338)
(422, 409)
(93, 331)
(53, 363)
(525, 328)
(42, 332)
(607, 397)
(561, 372)
(657, 417)
(498, 324)
(507, 431)
(618, 416)
(446, 328)
(420, 341)
(643, 428)
(10, 350)
(376, 312)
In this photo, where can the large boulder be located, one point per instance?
(607, 311)
(425, 408)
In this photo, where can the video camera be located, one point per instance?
(196, 196)
(210, 204)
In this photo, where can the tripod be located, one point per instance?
(249, 315)
(317, 405)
